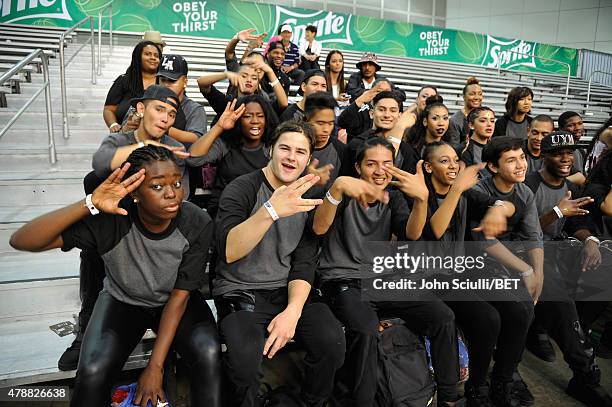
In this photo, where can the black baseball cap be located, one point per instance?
(558, 140)
(173, 67)
(161, 93)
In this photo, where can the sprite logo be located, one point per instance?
(508, 54)
(331, 27)
(12, 11)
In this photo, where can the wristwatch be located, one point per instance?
(92, 208)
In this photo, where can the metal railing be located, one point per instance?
(110, 34)
(591, 81)
(46, 87)
(63, 65)
(569, 68)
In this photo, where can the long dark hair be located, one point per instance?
(514, 96)
(371, 143)
(234, 137)
(432, 200)
(133, 73)
(600, 130)
(341, 84)
(417, 133)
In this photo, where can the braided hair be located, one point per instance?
(133, 74)
(146, 155)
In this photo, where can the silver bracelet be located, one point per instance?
(558, 211)
(271, 211)
(331, 199)
(594, 239)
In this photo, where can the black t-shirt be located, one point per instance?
(473, 155)
(292, 112)
(143, 267)
(119, 95)
(288, 250)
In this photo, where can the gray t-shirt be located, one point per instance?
(525, 223)
(346, 244)
(516, 129)
(457, 128)
(102, 158)
(142, 267)
(288, 250)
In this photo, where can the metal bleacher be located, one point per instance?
(39, 290)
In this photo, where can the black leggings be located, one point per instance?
(360, 318)
(244, 331)
(116, 328)
(493, 329)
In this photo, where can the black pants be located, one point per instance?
(494, 327)
(556, 313)
(360, 318)
(243, 330)
(307, 65)
(116, 328)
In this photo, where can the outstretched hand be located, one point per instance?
(324, 172)
(248, 35)
(287, 200)
(467, 176)
(362, 191)
(108, 194)
(413, 185)
(573, 207)
(229, 117)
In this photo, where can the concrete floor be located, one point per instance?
(547, 381)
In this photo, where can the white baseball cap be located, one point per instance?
(286, 27)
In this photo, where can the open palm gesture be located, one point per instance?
(228, 119)
(108, 195)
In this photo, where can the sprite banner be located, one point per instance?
(222, 19)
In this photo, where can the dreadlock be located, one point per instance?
(134, 72)
(146, 155)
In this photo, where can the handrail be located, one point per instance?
(569, 68)
(590, 81)
(46, 87)
(110, 34)
(63, 66)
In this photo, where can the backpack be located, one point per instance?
(404, 378)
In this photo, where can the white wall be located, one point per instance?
(570, 23)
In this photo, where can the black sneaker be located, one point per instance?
(502, 394)
(539, 344)
(478, 396)
(586, 388)
(70, 358)
(521, 391)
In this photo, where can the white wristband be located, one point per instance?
(527, 273)
(594, 239)
(331, 199)
(558, 212)
(273, 84)
(92, 208)
(113, 125)
(271, 210)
